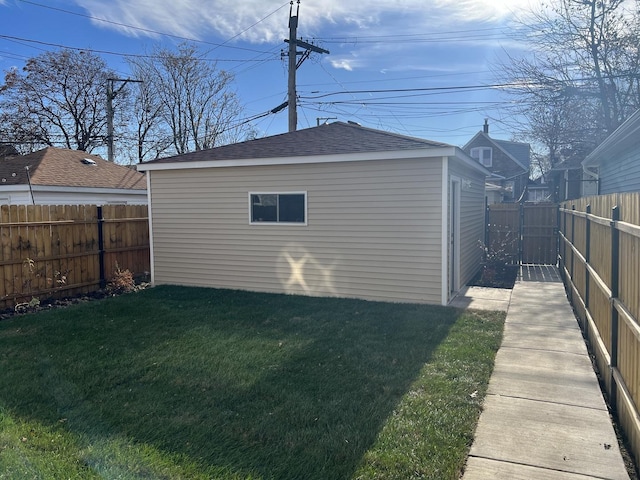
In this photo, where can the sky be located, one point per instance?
(421, 68)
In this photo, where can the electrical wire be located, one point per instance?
(155, 32)
(119, 54)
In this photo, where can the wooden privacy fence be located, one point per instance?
(524, 233)
(600, 262)
(51, 251)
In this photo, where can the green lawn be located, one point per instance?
(192, 383)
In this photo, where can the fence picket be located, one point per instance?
(62, 241)
(611, 251)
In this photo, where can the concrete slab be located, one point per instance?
(544, 416)
(558, 377)
(540, 294)
(543, 337)
(484, 469)
(483, 298)
(549, 436)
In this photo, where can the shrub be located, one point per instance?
(122, 281)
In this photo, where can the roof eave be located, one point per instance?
(630, 129)
(427, 152)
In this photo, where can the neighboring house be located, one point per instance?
(7, 150)
(335, 210)
(539, 191)
(68, 177)
(617, 159)
(508, 163)
(569, 180)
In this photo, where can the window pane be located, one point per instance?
(264, 208)
(291, 208)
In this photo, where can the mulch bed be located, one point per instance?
(503, 276)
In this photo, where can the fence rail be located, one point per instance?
(51, 251)
(600, 262)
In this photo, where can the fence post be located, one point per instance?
(573, 236)
(587, 257)
(615, 270)
(520, 233)
(562, 220)
(103, 280)
(487, 225)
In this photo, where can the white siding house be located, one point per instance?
(335, 210)
(58, 176)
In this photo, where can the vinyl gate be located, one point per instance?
(527, 234)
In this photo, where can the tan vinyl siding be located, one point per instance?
(472, 212)
(373, 230)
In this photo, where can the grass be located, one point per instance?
(194, 383)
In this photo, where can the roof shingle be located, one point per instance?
(65, 168)
(331, 139)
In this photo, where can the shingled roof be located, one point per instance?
(69, 168)
(331, 139)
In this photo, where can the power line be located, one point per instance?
(119, 54)
(148, 30)
(409, 35)
(425, 89)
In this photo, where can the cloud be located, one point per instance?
(265, 21)
(342, 63)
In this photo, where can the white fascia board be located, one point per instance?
(13, 188)
(90, 190)
(431, 152)
(470, 162)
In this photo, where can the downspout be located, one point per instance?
(33, 200)
(593, 175)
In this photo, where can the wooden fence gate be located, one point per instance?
(526, 234)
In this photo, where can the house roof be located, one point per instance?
(625, 136)
(574, 163)
(329, 143)
(7, 150)
(519, 152)
(330, 139)
(68, 168)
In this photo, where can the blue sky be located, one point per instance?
(414, 67)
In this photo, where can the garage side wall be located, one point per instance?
(472, 214)
(373, 230)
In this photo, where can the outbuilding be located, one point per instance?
(335, 210)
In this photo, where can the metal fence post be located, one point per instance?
(561, 244)
(521, 233)
(615, 271)
(573, 236)
(587, 257)
(103, 280)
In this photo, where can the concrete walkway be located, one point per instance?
(544, 415)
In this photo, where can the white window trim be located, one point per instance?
(480, 150)
(296, 224)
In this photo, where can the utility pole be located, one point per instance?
(294, 64)
(111, 94)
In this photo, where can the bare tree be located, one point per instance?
(580, 80)
(186, 99)
(58, 100)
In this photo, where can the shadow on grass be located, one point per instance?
(228, 384)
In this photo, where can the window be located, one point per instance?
(484, 155)
(278, 207)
